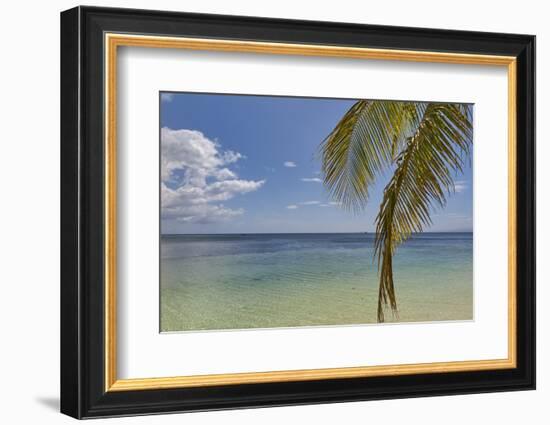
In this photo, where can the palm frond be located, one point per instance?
(362, 144)
(422, 179)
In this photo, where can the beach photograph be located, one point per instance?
(282, 212)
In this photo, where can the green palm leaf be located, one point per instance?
(361, 146)
(422, 179)
(424, 143)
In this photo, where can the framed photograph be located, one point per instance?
(261, 212)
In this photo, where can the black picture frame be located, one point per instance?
(83, 392)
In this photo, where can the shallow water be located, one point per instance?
(213, 282)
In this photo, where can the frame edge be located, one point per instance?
(526, 203)
(70, 349)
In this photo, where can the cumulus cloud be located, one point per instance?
(196, 179)
(292, 207)
(289, 164)
(312, 179)
(461, 186)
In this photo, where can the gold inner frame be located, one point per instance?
(113, 41)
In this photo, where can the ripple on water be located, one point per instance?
(308, 282)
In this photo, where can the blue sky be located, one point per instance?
(250, 164)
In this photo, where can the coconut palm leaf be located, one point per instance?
(425, 144)
(421, 181)
(362, 145)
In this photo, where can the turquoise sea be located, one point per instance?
(230, 281)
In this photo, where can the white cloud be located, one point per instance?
(202, 213)
(289, 164)
(312, 179)
(330, 204)
(195, 178)
(461, 186)
(225, 173)
(166, 97)
(294, 206)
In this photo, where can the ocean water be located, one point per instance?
(211, 282)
